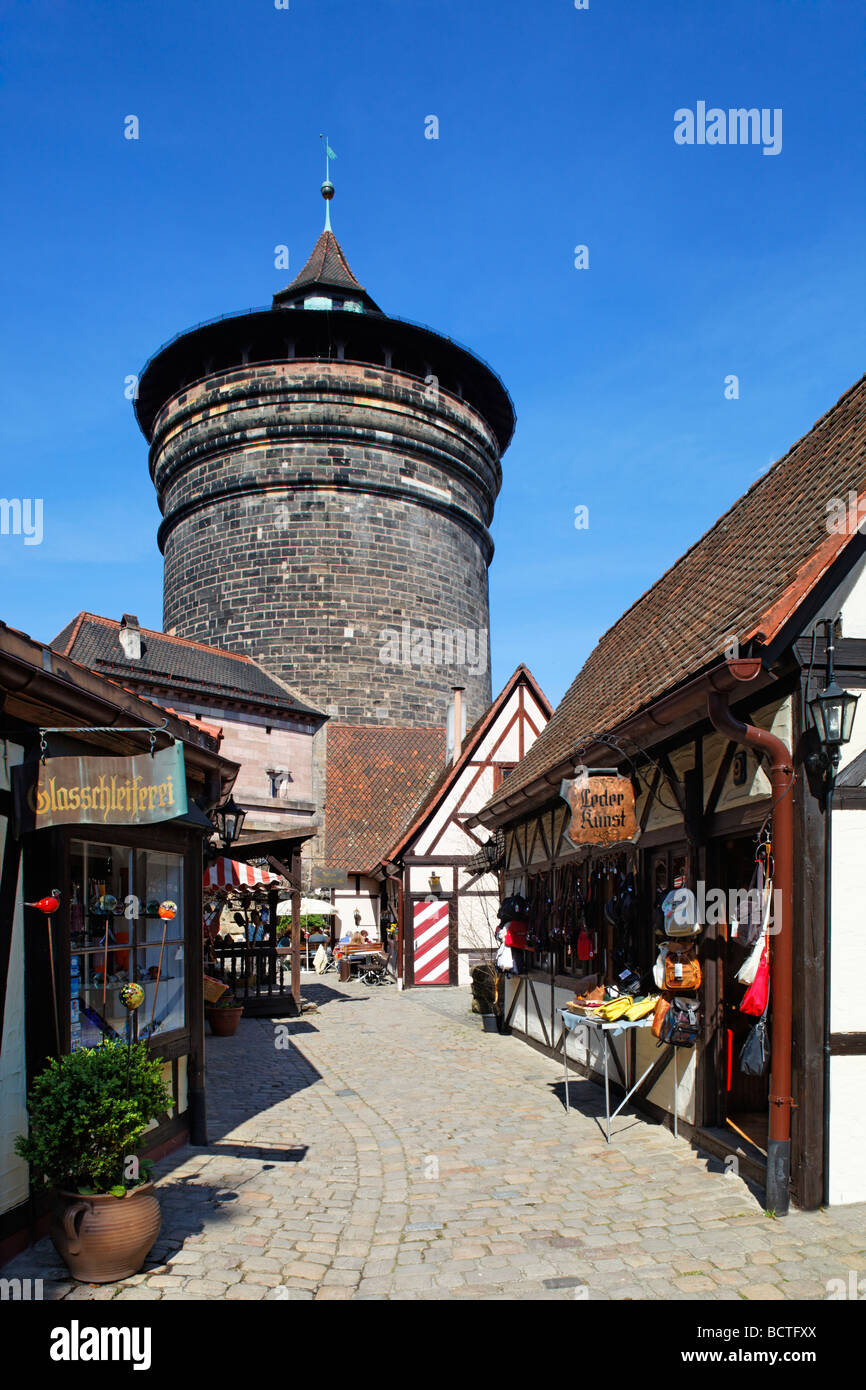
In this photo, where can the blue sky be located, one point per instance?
(555, 129)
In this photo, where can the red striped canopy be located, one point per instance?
(229, 873)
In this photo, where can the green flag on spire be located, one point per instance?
(331, 154)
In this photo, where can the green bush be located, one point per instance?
(83, 1125)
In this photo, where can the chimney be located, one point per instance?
(457, 722)
(130, 637)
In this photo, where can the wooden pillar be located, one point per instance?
(296, 928)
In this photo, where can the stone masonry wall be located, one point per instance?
(330, 519)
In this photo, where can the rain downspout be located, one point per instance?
(782, 953)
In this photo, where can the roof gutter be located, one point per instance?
(690, 699)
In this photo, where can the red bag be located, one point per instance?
(756, 996)
(584, 945)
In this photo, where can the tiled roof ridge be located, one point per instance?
(747, 577)
(166, 637)
(403, 728)
(170, 679)
(737, 502)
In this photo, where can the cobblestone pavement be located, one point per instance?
(396, 1151)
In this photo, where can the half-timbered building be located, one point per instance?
(448, 872)
(704, 694)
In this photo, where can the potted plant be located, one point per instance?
(224, 1016)
(87, 1115)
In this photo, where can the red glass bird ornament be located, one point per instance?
(49, 904)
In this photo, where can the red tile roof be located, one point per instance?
(744, 579)
(376, 776)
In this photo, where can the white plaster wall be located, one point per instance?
(854, 605)
(847, 1129)
(419, 878)
(848, 926)
(476, 916)
(14, 1176)
(346, 900)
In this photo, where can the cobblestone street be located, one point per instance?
(396, 1151)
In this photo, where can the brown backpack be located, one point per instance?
(682, 967)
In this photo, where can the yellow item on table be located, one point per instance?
(640, 1008)
(615, 1008)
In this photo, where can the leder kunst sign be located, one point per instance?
(602, 810)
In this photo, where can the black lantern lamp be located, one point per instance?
(229, 820)
(832, 710)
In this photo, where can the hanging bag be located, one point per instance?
(757, 995)
(682, 1023)
(749, 929)
(755, 1052)
(504, 959)
(584, 944)
(749, 968)
(661, 1009)
(682, 968)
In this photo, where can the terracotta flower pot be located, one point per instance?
(224, 1022)
(105, 1238)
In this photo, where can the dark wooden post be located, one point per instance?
(296, 929)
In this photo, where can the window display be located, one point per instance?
(125, 926)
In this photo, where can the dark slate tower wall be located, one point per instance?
(330, 519)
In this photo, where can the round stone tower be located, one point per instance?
(327, 476)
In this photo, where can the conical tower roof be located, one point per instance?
(326, 275)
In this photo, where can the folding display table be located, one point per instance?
(602, 1029)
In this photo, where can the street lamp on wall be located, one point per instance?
(832, 710)
(229, 821)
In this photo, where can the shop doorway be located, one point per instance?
(744, 1100)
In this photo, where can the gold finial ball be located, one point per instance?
(327, 190)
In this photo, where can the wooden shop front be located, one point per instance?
(130, 895)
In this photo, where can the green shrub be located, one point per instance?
(83, 1125)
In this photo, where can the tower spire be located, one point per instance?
(327, 186)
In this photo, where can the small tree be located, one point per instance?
(87, 1117)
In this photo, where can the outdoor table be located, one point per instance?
(573, 1021)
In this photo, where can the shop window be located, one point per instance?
(116, 937)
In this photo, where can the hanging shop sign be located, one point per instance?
(139, 790)
(602, 810)
(328, 878)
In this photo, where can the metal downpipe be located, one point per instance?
(782, 950)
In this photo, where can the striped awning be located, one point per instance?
(230, 873)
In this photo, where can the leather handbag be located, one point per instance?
(659, 1014)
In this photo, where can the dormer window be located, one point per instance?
(317, 301)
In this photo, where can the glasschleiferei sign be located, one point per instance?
(602, 810)
(138, 790)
